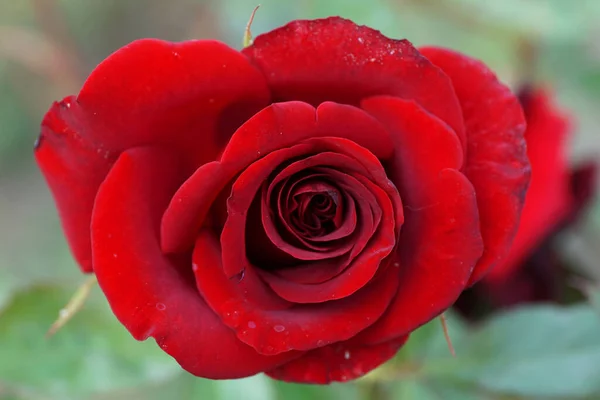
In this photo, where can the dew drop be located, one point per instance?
(279, 328)
(396, 264)
(160, 306)
(347, 355)
(38, 142)
(251, 324)
(194, 267)
(63, 313)
(361, 40)
(239, 277)
(115, 255)
(320, 343)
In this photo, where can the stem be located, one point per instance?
(73, 306)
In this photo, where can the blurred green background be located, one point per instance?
(47, 48)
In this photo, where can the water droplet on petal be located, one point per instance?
(347, 355)
(240, 276)
(251, 324)
(160, 306)
(279, 328)
(194, 267)
(38, 142)
(320, 343)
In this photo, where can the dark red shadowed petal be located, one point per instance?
(440, 240)
(364, 262)
(353, 188)
(335, 59)
(153, 295)
(548, 200)
(188, 96)
(496, 163)
(302, 327)
(275, 127)
(337, 363)
(370, 199)
(74, 170)
(344, 219)
(584, 183)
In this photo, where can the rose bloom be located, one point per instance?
(557, 196)
(296, 208)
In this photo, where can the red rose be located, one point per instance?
(298, 207)
(532, 270)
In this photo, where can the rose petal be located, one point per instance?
(149, 293)
(311, 272)
(440, 240)
(148, 92)
(496, 163)
(302, 327)
(275, 127)
(339, 362)
(364, 262)
(335, 59)
(360, 195)
(345, 213)
(73, 170)
(153, 91)
(548, 200)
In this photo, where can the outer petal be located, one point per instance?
(335, 59)
(440, 240)
(74, 171)
(153, 295)
(339, 362)
(189, 96)
(152, 91)
(496, 162)
(548, 199)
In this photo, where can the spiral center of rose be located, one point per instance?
(315, 209)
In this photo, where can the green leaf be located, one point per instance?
(592, 292)
(532, 351)
(291, 391)
(92, 353)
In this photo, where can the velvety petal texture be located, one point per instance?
(148, 92)
(558, 196)
(496, 163)
(296, 208)
(549, 199)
